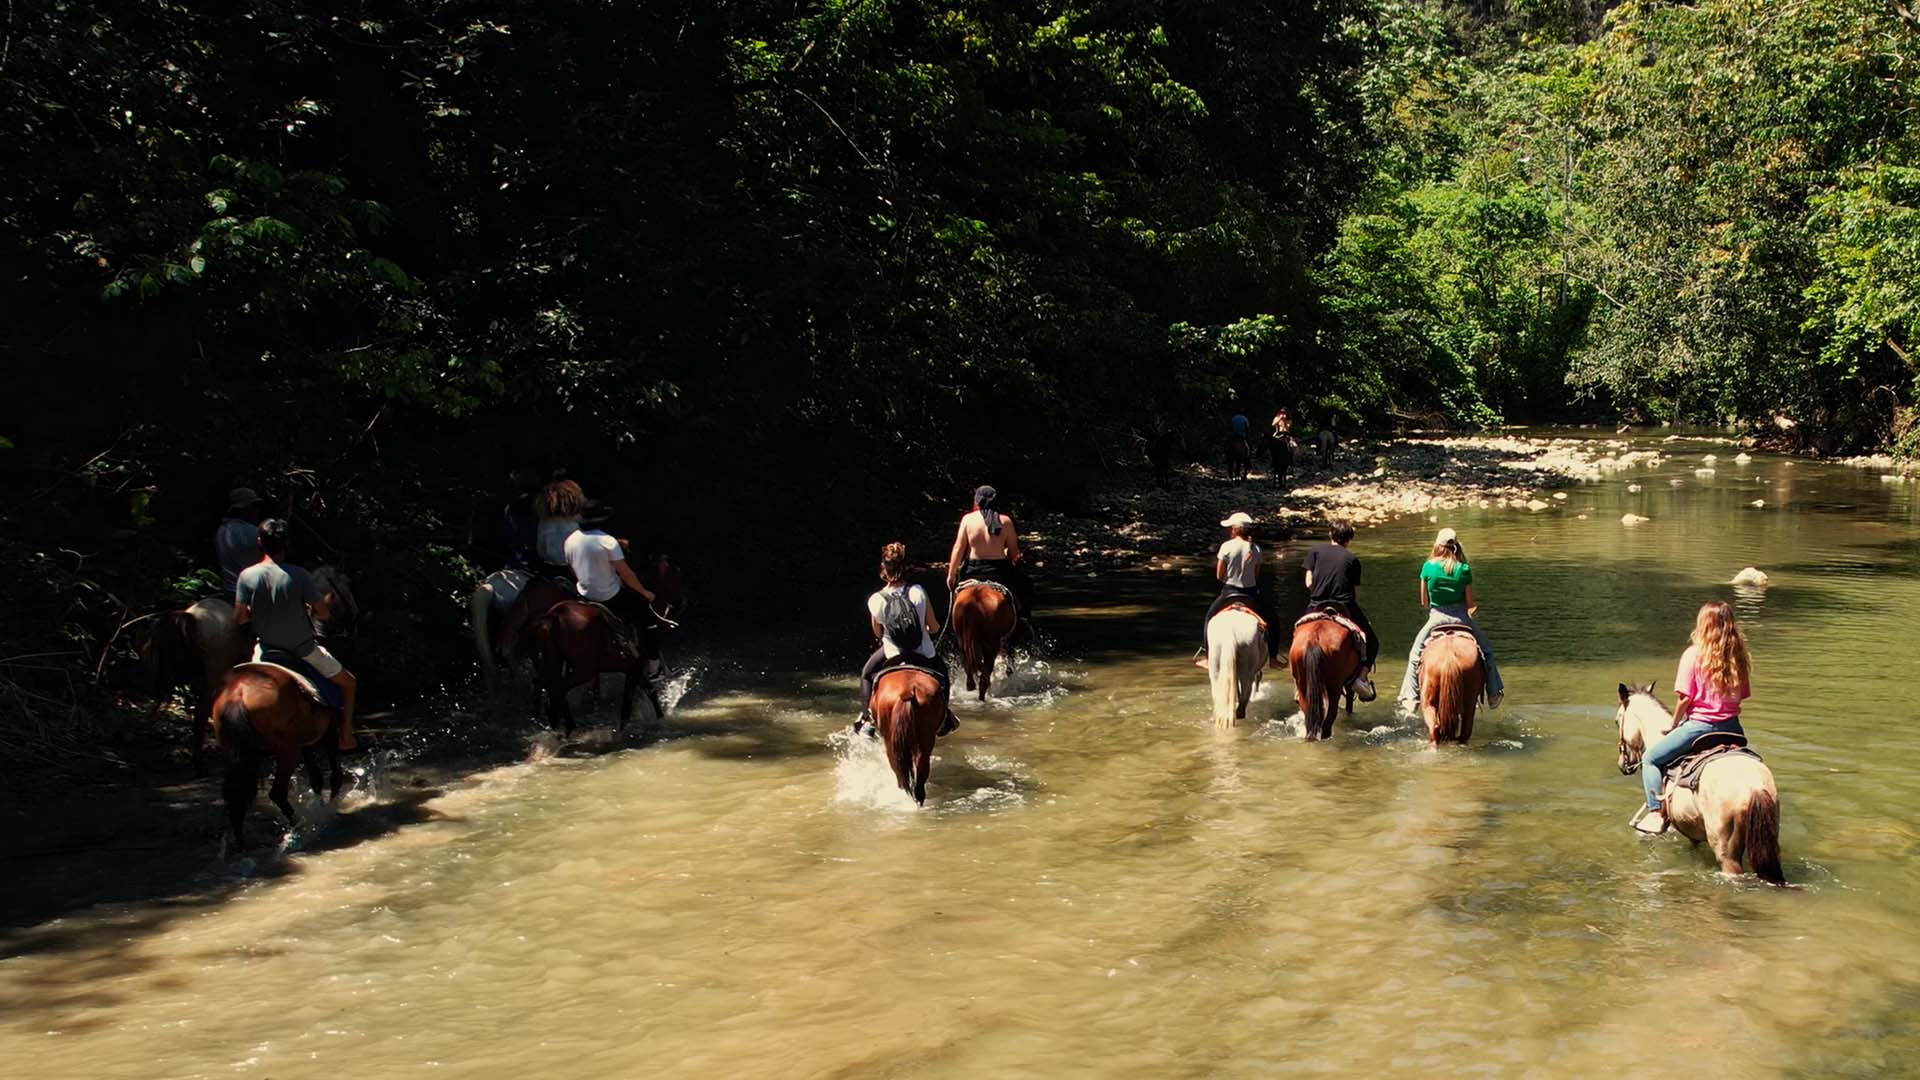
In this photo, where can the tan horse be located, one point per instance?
(1737, 809)
(907, 707)
(1451, 681)
(982, 617)
(263, 711)
(1323, 658)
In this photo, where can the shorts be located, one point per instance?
(316, 656)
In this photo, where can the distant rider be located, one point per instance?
(904, 626)
(280, 601)
(1237, 567)
(236, 543)
(1446, 590)
(987, 548)
(1333, 580)
(520, 522)
(602, 574)
(1711, 683)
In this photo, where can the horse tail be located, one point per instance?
(1223, 664)
(1763, 836)
(900, 742)
(238, 741)
(1443, 685)
(1313, 688)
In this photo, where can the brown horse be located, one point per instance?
(264, 711)
(1239, 458)
(983, 617)
(1324, 656)
(195, 646)
(907, 707)
(1451, 681)
(573, 643)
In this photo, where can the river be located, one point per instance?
(1100, 885)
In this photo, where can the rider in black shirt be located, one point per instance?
(1333, 580)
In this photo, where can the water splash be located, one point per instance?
(861, 776)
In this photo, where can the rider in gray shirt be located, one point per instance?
(274, 597)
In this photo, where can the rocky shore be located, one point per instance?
(1135, 521)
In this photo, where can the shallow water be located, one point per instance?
(1099, 884)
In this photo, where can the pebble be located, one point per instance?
(1677, 483)
(1536, 505)
(1633, 519)
(1758, 504)
(1743, 458)
(1559, 496)
(1633, 489)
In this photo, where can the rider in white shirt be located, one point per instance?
(601, 571)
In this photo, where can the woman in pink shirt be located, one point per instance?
(1711, 683)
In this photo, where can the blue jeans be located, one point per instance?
(1669, 748)
(1452, 614)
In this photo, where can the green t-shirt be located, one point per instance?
(1444, 589)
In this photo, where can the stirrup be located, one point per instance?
(1641, 816)
(948, 726)
(1363, 688)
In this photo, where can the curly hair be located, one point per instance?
(562, 499)
(893, 563)
(1723, 648)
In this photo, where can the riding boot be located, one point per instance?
(1649, 821)
(1363, 687)
(949, 725)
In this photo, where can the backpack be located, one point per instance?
(899, 619)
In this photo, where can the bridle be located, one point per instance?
(1629, 761)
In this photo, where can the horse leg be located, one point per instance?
(311, 759)
(626, 698)
(241, 785)
(283, 765)
(197, 739)
(991, 658)
(922, 764)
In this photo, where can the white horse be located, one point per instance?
(1736, 810)
(489, 604)
(1236, 651)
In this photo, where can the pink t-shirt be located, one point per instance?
(1709, 704)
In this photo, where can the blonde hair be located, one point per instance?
(1723, 648)
(562, 499)
(893, 562)
(1450, 554)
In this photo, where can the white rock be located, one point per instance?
(1582, 517)
(1703, 472)
(1677, 483)
(1891, 478)
(1484, 504)
(1559, 496)
(1758, 504)
(1633, 488)
(1632, 519)
(1750, 576)
(1536, 504)
(1710, 459)
(1743, 458)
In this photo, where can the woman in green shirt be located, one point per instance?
(1446, 588)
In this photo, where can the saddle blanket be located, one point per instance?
(321, 689)
(923, 667)
(1237, 606)
(1316, 616)
(1006, 593)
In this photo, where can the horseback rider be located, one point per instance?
(987, 548)
(1446, 589)
(280, 601)
(1333, 581)
(236, 543)
(602, 574)
(1237, 567)
(904, 626)
(1711, 683)
(561, 504)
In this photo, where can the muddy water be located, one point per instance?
(1100, 885)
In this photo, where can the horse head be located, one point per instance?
(1638, 710)
(662, 577)
(343, 617)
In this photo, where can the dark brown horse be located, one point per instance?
(573, 643)
(1451, 680)
(264, 711)
(907, 707)
(1324, 656)
(1239, 457)
(983, 616)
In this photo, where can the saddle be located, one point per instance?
(919, 664)
(1238, 606)
(1707, 748)
(1320, 613)
(316, 686)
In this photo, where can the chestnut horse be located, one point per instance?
(1324, 656)
(264, 711)
(1451, 681)
(573, 643)
(907, 707)
(983, 616)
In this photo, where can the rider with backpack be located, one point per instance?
(903, 621)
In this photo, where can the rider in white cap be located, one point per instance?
(1237, 567)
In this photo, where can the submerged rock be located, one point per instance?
(1633, 519)
(1750, 576)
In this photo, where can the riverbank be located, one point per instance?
(1135, 521)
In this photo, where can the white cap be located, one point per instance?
(1238, 517)
(1445, 535)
